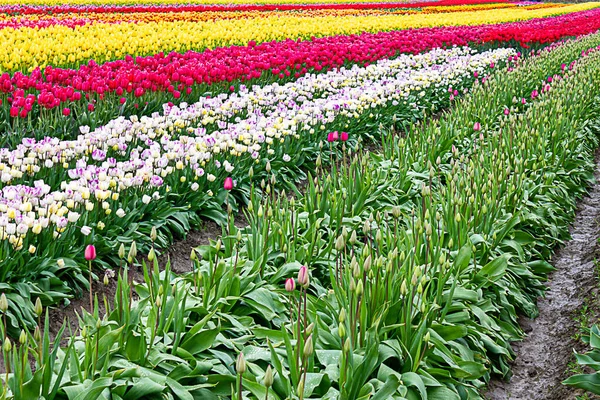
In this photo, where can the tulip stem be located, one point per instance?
(91, 290)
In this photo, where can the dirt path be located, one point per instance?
(542, 357)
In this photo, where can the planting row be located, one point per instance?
(64, 46)
(395, 275)
(58, 101)
(45, 9)
(165, 169)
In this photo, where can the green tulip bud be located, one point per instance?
(23, 337)
(121, 251)
(308, 346)
(153, 234)
(268, 380)
(341, 330)
(342, 316)
(240, 364)
(3, 303)
(7, 346)
(38, 309)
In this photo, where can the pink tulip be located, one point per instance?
(90, 252)
(330, 137)
(335, 134)
(290, 284)
(506, 111)
(523, 101)
(476, 126)
(344, 136)
(228, 184)
(303, 278)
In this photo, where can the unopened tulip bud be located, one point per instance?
(132, 252)
(309, 329)
(240, 364)
(300, 388)
(105, 281)
(121, 251)
(396, 212)
(23, 337)
(303, 278)
(251, 172)
(367, 263)
(38, 309)
(218, 245)
(268, 380)
(90, 252)
(353, 238)
(359, 288)
(346, 347)
(3, 303)
(153, 234)
(339, 243)
(151, 254)
(290, 285)
(308, 346)
(159, 301)
(37, 334)
(341, 330)
(7, 346)
(342, 316)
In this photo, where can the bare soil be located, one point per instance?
(542, 358)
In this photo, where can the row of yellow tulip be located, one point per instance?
(61, 45)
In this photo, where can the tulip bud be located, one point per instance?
(121, 251)
(90, 252)
(367, 264)
(239, 236)
(308, 346)
(353, 238)
(37, 334)
(251, 172)
(218, 245)
(290, 285)
(300, 388)
(38, 309)
(339, 243)
(105, 281)
(132, 252)
(23, 337)
(240, 364)
(153, 234)
(228, 183)
(3, 303)
(403, 288)
(346, 347)
(427, 337)
(342, 316)
(359, 288)
(396, 212)
(193, 255)
(159, 301)
(341, 330)
(268, 380)
(303, 278)
(7, 346)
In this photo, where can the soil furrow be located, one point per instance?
(542, 358)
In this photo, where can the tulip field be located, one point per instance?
(390, 180)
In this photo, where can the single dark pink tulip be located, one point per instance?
(476, 126)
(228, 184)
(303, 278)
(90, 252)
(344, 136)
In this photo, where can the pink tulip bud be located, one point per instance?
(455, 93)
(506, 111)
(290, 285)
(563, 66)
(549, 79)
(344, 136)
(451, 97)
(90, 252)
(330, 137)
(523, 101)
(228, 184)
(303, 279)
(476, 126)
(492, 65)
(335, 134)
(475, 74)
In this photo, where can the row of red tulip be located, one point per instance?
(177, 74)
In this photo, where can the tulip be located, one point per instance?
(90, 252)
(290, 285)
(344, 136)
(228, 184)
(476, 126)
(506, 111)
(303, 278)
(240, 364)
(66, 112)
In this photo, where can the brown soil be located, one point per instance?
(542, 358)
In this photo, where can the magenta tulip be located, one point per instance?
(344, 136)
(476, 126)
(90, 252)
(228, 184)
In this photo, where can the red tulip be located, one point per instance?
(90, 252)
(66, 112)
(344, 136)
(228, 184)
